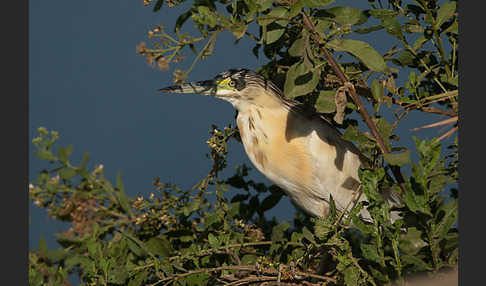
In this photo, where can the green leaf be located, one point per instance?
(413, 28)
(322, 25)
(75, 260)
(158, 5)
(411, 242)
(66, 173)
(63, 153)
(368, 29)
(274, 32)
(67, 241)
(45, 155)
(437, 183)
(351, 276)
(166, 266)
(308, 235)
(449, 214)
(274, 29)
(182, 19)
(197, 279)
(404, 59)
(429, 152)
(332, 214)
(397, 159)
(419, 264)
(213, 218)
(248, 259)
(159, 245)
(414, 197)
(94, 249)
(122, 196)
(370, 180)
(322, 228)
(296, 8)
(384, 128)
(277, 12)
(300, 80)
(354, 134)
(343, 15)
(135, 248)
(370, 252)
(278, 231)
(389, 21)
(419, 43)
(450, 80)
(360, 225)
(186, 238)
(361, 50)
(263, 4)
(297, 48)
(117, 274)
(453, 28)
(316, 3)
(377, 90)
(213, 241)
(270, 201)
(445, 12)
(84, 161)
(325, 102)
(380, 13)
(393, 27)
(378, 275)
(42, 247)
(235, 209)
(238, 29)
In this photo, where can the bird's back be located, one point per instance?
(304, 155)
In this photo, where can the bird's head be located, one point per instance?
(240, 87)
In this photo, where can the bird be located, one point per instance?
(298, 150)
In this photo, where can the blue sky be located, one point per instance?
(87, 82)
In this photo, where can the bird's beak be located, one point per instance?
(207, 87)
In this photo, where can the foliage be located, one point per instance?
(217, 232)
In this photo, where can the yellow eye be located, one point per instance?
(231, 83)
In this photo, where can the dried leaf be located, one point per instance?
(340, 101)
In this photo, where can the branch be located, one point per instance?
(222, 249)
(241, 267)
(366, 93)
(364, 113)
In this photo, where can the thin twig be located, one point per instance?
(447, 134)
(435, 98)
(223, 248)
(443, 122)
(427, 68)
(252, 280)
(276, 18)
(238, 267)
(353, 200)
(431, 109)
(366, 93)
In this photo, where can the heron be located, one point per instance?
(297, 149)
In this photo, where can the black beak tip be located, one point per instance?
(168, 89)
